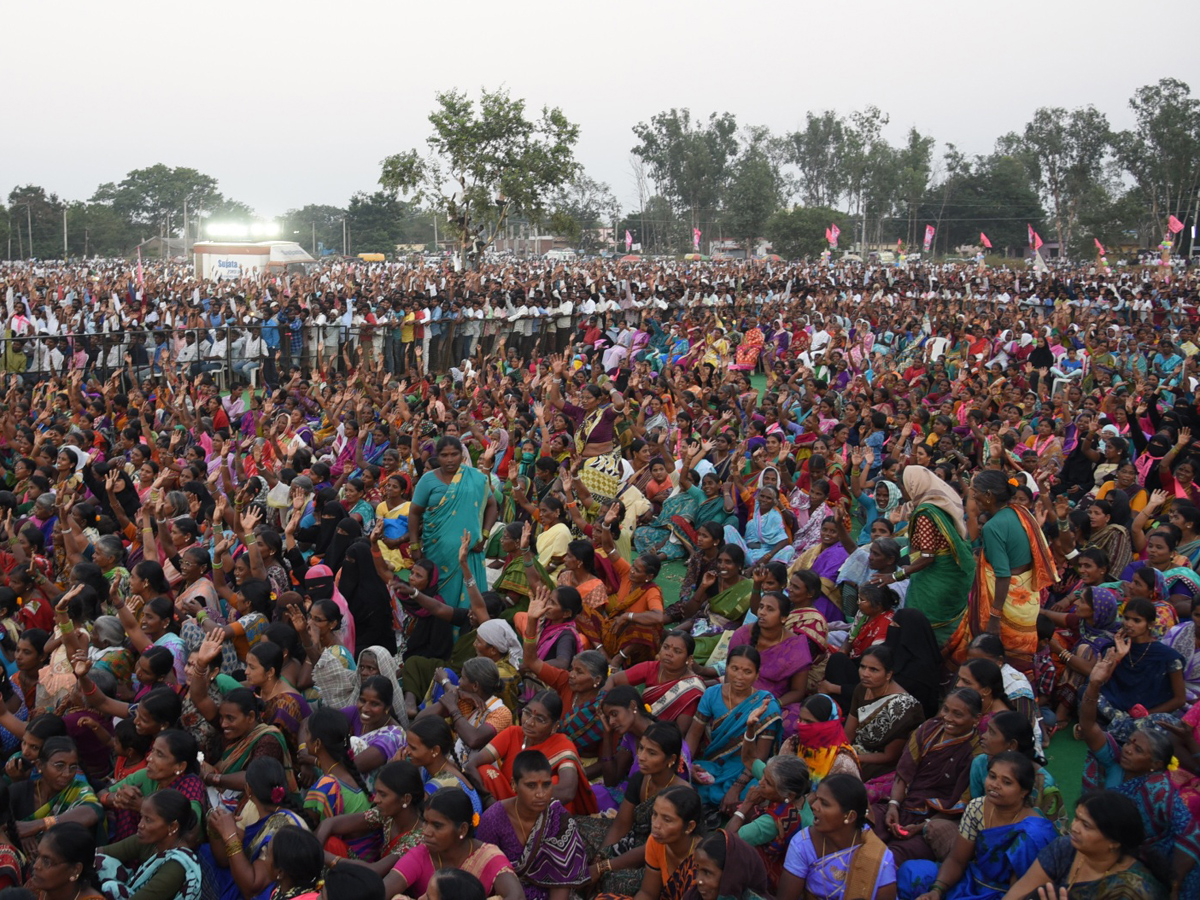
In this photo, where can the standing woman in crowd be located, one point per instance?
(1014, 567)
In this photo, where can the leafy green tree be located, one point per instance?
(154, 198)
(690, 162)
(30, 206)
(1069, 149)
(914, 168)
(657, 227)
(800, 233)
(753, 194)
(313, 225)
(580, 208)
(377, 222)
(486, 163)
(1162, 151)
(96, 229)
(818, 151)
(992, 194)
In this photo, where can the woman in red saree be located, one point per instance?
(491, 769)
(672, 691)
(747, 353)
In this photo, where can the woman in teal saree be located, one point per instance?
(655, 537)
(725, 713)
(449, 500)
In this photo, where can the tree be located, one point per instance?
(30, 205)
(800, 233)
(1069, 150)
(484, 165)
(818, 151)
(1162, 152)
(691, 163)
(377, 222)
(863, 156)
(155, 197)
(580, 208)
(754, 191)
(315, 226)
(657, 227)
(915, 166)
(96, 229)
(991, 194)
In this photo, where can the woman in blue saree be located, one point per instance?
(766, 537)
(987, 857)
(655, 537)
(719, 772)
(248, 874)
(449, 500)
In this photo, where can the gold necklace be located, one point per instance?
(1073, 875)
(521, 833)
(853, 843)
(987, 804)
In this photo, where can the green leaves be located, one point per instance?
(485, 162)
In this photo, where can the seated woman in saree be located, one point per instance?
(808, 619)
(825, 558)
(283, 706)
(60, 794)
(395, 815)
(556, 637)
(1104, 858)
(721, 599)
(626, 718)
(933, 774)
(449, 842)
(726, 866)
(1139, 770)
(775, 808)
(579, 687)
(1102, 532)
(507, 574)
(672, 690)
(1184, 639)
(987, 857)
(473, 709)
(63, 866)
(617, 845)
(703, 548)
(1013, 568)
(722, 720)
(810, 507)
(657, 537)
(375, 735)
(490, 769)
(628, 626)
(328, 675)
(339, 788)
(820, 740)
(171, 765)
(876, 562)
(880, 717)
(1018, 692)
(838, 855)
(247, 738)
(983, 676)
(536, 833)
(783, 672)
(670, 872)
(431, 748)
(869, 629)
(766, 536)
(1148, 583)
(157, 859)
(941, 565)
(239, 856)
(1145, 686)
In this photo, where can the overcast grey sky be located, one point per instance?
(287, 104)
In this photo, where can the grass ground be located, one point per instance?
(1065, 756)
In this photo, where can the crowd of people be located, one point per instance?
(362, 582)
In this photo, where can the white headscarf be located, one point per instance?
(500, 635)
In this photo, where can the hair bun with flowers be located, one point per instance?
(475, 820)
(278, 794)
(1014, 482)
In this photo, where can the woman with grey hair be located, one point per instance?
(108, 552)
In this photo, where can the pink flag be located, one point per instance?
(1174, 224)
(928, 237)
(834, 231)
(1034, 240)
(628, 241)
(1099, 246)
(983, 239)
(139, 272)
(899, 243)
(828, 236)
(696, 238)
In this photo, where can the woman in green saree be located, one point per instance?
(942, 567)
(721, 598)
(61, 794)
(449, 500)
(246, 739)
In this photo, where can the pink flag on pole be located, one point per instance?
(928, 237)
(1035, 240)
(1174, 224)
(696, 238)
(834, 232)
(1099, 246)
(828, 236)
(628, 241)
(983, 239)
(139, 272)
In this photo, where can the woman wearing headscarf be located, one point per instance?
(941, 565)
(1093, 625)
(367, 596)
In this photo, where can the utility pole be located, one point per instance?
(185, 231)
(65, 253)
(344, 242)
(29, 218)
(314, 242)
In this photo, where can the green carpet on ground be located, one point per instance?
(1065, 757)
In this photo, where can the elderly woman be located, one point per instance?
(766, 538)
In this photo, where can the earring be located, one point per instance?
(74, 877)
(404, 806)
(846, 821)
